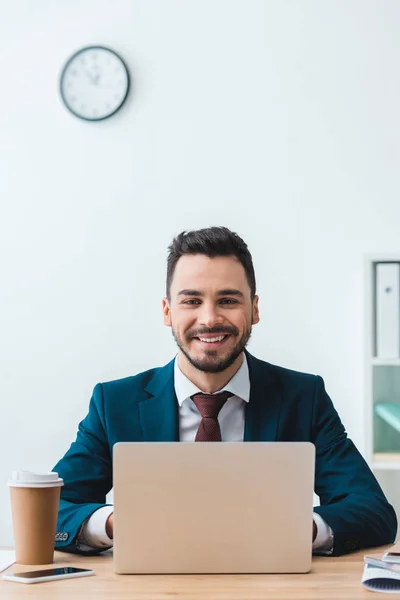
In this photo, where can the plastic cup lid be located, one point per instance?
(28, 479)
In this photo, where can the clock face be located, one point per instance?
(94, 83)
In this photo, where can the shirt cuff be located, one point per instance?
(323, 543)
(92, 535)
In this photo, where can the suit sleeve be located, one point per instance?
(87, 472)
(352, 502)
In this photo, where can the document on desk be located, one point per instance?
(380, 576)
(7, 558)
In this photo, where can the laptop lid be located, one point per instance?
(213, 507)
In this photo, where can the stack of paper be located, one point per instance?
(382, 574)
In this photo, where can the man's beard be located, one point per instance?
(211, 365)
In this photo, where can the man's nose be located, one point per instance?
(210, 315)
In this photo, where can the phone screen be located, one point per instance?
(49, 572)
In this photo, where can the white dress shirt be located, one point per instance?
(231, 420)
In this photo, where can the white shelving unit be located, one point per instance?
(382, 385)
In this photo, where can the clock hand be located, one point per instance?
(88, 73)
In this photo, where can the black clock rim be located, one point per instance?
(65, 67)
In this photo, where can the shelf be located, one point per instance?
(386, 362)
(382, 466)
(386, 460)
(386, 457)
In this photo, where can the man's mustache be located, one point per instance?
(230, 330)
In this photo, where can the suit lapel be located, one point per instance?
(262, 411)
(159, 416)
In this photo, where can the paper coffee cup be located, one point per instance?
(34, 506)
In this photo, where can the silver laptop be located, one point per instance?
(213, 507)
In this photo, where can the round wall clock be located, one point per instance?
(94, 83)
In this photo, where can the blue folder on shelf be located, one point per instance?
(389, 413)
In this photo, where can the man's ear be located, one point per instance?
(166, 312)
(256, 313)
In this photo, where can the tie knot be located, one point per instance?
(209, 405)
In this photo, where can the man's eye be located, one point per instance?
(228, 301)
(191, 302)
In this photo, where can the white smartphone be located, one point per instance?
(47, 575)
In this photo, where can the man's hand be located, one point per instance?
(315, 530)
(110, 526)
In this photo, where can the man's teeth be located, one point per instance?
(215, 339)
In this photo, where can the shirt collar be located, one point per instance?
(239, 385)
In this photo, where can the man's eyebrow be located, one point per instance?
(230, 292)
(190, 293)
(197, 293)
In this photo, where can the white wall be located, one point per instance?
(277, 119)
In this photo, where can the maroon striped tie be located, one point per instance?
(209, 406)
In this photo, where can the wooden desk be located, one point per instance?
(329, 579)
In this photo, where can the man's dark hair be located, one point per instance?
(213, 241)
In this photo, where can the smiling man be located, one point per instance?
(211, 307)
(215, 391)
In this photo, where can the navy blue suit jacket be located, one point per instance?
(284, 405)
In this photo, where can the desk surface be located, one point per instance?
(330, 578)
